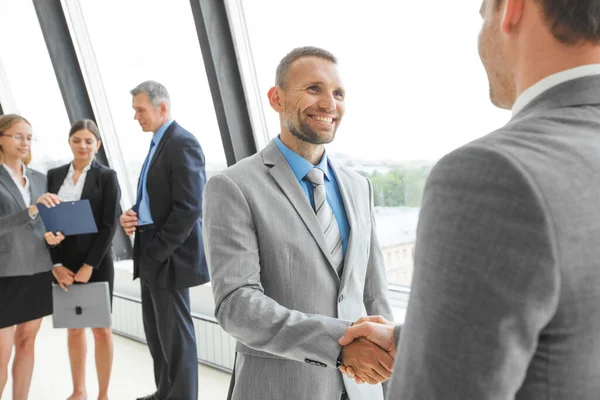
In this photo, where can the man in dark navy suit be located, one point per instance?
(168, 247)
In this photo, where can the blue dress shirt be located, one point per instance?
(143, 204)
(300, 167)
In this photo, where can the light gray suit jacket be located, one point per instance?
(15, 220)
(23, 250)
(505, 302)
(275, 287)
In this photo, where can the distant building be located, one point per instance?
(396, 230)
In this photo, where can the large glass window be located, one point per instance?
(137, 40)
(415, 90)
(32, 84)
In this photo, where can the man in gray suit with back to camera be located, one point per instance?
(292, 250)
(505, 301)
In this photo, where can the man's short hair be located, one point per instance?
(286, 62)
(156, 93)
(571, 22)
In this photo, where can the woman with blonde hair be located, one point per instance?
(25, 270)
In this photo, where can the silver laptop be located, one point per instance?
(82, 306)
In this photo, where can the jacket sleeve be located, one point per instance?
(242, 308)
(486, 280)
(15, 220)
(187, 181)
(111, 195)
(55, 251)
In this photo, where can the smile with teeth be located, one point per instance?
(327, 120)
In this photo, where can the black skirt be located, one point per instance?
(73, 259)
(25, 298)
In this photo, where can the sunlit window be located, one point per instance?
(151, 39)
(415, 90)
(32, 83)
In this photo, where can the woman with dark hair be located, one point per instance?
(87, 258)
(25, 277)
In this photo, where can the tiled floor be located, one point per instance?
(132, 375)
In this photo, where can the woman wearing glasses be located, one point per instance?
(25, 265)
(87, 258)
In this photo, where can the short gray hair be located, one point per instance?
(156, 93)
(300, 52)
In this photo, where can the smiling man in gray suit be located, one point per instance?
(292, 250)
(505, 302)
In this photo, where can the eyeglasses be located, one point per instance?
(19, 138)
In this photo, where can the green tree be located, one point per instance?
(399, 187)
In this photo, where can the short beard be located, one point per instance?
(306, 133)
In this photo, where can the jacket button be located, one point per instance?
(341, 298)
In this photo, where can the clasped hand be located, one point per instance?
(65, 277)
(369, 350)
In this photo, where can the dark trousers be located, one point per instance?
(171, 339)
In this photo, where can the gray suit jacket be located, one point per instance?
(14, 220)
(275, 287)
(505, 302)
(23, 250)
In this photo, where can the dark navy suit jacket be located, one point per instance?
(175, 258)
(101, 188)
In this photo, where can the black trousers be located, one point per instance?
(170, 335)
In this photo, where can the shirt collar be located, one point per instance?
(553, 80)
(86, 169)
(300, 166)
(10, 171)
(161, 132)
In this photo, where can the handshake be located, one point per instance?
(369, 350)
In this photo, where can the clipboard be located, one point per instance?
(69, 218)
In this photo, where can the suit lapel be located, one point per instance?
(59, 177)
(37, 187)
(345, 185)
(285, 178)
(161, 144)
(7, 181)
(90, 180)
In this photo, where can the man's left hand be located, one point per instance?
(84, 274)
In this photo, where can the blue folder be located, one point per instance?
(69, 218)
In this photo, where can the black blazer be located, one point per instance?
(101, 188)
(174, 257)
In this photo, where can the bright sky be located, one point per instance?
(415, 86)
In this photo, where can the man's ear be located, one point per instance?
(163, 108)
(511, 14)
(275, 98)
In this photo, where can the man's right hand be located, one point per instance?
(375, 329)
(129, 221)
(64, 276)
(369, 362)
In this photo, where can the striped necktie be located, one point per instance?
(327, 219)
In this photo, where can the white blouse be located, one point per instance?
(25, 190)
(71, 191)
